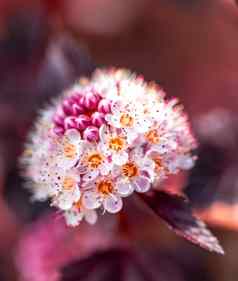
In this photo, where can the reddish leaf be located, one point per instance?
(176, 211)
(212, 189)
(123, 264)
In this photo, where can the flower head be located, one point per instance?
(102, 141)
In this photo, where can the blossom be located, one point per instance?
(114, 145)
(103, 140)
(69, 148)
(103, 192)
(68, 189)
(137, 174)
(77, 213)
(93, 163)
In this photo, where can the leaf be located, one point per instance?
(123, 263)
(101, 266)
(176, 211)
(212, 189)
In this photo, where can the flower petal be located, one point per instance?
(106, 168)
(90, 175)
(90, 216)
(120, 158)
(91, 200)
(73, 136)
(124, 188)
(73, 217)
(112, 203)
(142, 184)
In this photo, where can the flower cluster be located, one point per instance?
(104, 139)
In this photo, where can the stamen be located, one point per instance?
(78, 204)
(158, 163)
(69, 183)
(95, 160)
(126, 120)
(116, 143)
(70, 150)
(130, 170)
(105, 187)
(152, 136)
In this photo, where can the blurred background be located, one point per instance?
(189, 47)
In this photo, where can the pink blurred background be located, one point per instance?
(190, 48)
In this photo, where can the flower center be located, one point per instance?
(152, 136)
(94, 160)
(78, 204)
(129, 170)
(105, 187)
(69, 183)
(126, 120)
(116, 143)
(158, 163)
(70, 150)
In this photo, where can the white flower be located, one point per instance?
(130, 117)
(76, 214)
(93, 163)
(114, 145)
(67, 184)
(70, 149)
(102, 193)
(137, 174)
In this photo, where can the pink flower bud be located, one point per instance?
(67, 106)
(98, 119)
(104, 106)
(70, 123)
(90, 100)
(82, 122)
(76, 97)
(59, 120)
(77, 109)
(91, 134)
(58, 130)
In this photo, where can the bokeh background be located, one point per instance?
(189, 47)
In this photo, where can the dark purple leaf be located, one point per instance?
(123, 264)
(212, 183)
(104, 265)
(176, 211)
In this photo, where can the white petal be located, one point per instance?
(153, 152)
(116, 171)
(66, 199)
(112, 204)
(124, 188)
(147, 164)
(76, 194)
(102, 147)
(63, 202)
(73, 217)
(120, 158)
(142, 184)
(66, 163)
(90, 216)
(131, 135)
(137, 154)
(90, 175)
(73, 135)
(143, 125)
(103, 133)
(106, 168)
(91, 200)
(114, 120)
(116, 106)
